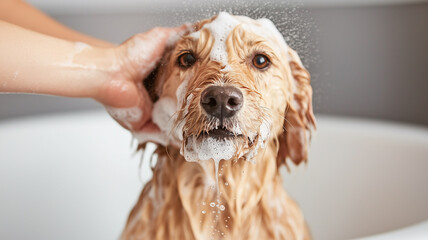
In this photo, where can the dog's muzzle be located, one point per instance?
(222, 102)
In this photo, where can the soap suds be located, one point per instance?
(80, 47)
(164, 115)
(126, 115)
(140, 48)
(173, 38)
(220, 28)
(208, 148)
(263, 136)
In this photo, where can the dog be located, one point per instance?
(233, 103)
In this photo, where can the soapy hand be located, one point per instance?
(37, 63)
(124, 95)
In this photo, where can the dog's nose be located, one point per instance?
(222, 102)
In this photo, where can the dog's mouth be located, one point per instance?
(224, 143)
(222, 133)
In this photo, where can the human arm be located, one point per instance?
(31, 62)
(24, 15)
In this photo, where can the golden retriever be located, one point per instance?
(233, 102)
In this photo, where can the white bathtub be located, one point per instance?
(74, 177)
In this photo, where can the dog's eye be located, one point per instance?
(186, 60)
(261, 61)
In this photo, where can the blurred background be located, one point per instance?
(368, 58)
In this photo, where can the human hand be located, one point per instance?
(112, 76)
(124, 95)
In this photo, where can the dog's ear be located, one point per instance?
(153, 82)
(299, 118)
(149, 84)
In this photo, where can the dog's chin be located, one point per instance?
(221, 144)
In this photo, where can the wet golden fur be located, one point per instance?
(175, 203)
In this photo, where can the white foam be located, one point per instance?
(220, 28)
(126, 115)
(141, 49)
(237, 129)
(195, 35)
(164, 115)
(173, 38)
(264, 131)
(208, 148)
(80, 46)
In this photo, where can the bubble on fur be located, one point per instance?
(163, 111)
(220, 29)
(263, 136)
(164, 115)
(264, 131)
(208, 148)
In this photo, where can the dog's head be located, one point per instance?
(231, 87)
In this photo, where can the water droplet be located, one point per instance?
(203, 211)
(212, 204)
(226, 183)
(222, 207)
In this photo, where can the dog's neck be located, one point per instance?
(186, 194)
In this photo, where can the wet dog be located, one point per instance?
(234, 102)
